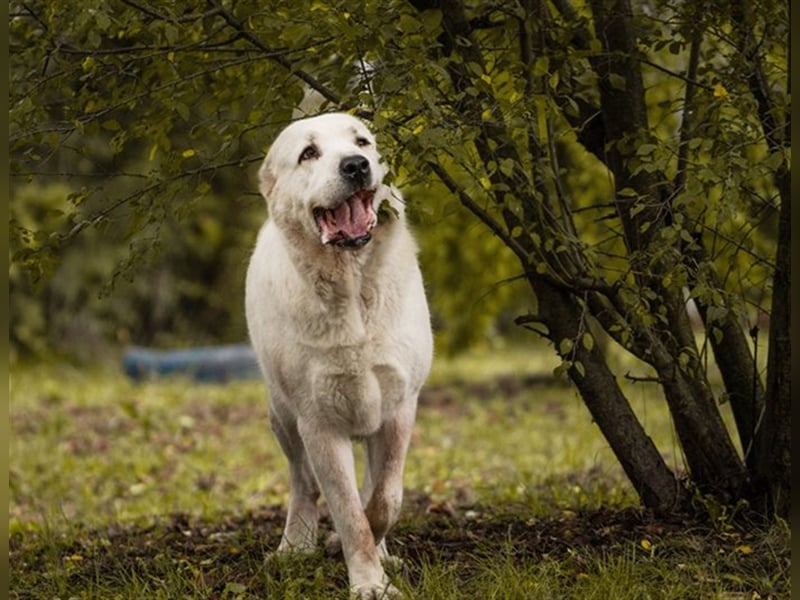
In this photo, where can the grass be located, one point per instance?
(172, 489)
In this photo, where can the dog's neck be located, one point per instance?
(336, 274)
(340, 272)
(344, 282)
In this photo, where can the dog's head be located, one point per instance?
(323, 177)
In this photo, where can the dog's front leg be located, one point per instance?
(382, 495)
(331, 456)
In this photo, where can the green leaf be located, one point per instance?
(408, 24)
(387, 212)
(617, 82)
(507, 167)
(588, 341)
(431, 20)
(541, 66)
(562, 369)
(182, 110)
(645, 149)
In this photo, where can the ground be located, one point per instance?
(448, 552)
(176, 490)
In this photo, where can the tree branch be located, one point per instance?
(307, 78)
(479, 212)
(688, 111)
(756, 78)
(686, 78)
(100, 215)
(146, 10)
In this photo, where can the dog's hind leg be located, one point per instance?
(300, 532)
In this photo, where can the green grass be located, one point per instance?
(172, 489)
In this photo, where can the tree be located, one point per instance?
(630, 160)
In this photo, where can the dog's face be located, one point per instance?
(323, 177)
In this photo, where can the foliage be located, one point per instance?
(473, 281)
(170, 489)
(149, 221)
(625, 159)
(97, 290)
(141, 112)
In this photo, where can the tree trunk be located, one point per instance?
(737, 367)
(731, 350)
(559, 310)
(773, 467)
(711, 457)
(655, 483)
(772, 463)
(669, 346)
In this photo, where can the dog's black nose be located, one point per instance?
(355, 168)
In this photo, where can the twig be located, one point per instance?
(473, 206)
(309, 79)
(688, 102)
(636, 379)
(99, 216)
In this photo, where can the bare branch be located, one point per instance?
(688, 111)
(146, 10)
(99, 216)
(307, 78)
(687, 78)
(479, 212)
(637, 379)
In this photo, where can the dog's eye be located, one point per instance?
(308, 153)
(362, 141)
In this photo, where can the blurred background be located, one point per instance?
(136, 136)
(183, 285)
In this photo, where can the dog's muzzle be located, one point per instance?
(354, 242)
(349, 224)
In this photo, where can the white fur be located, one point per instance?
(343, 339)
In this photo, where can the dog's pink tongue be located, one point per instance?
(352, 219)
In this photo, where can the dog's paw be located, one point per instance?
(333, 545)
(287, 552)
(392, 564)
(371, 591)
(301, 546)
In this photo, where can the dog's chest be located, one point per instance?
(343, 312)
(355, 391)
(351, 344)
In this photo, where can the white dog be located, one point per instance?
(338, 318)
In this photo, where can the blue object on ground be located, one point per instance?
(208, 364)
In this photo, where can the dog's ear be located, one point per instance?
(266, 179)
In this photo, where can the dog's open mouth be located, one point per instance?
(348, 224)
